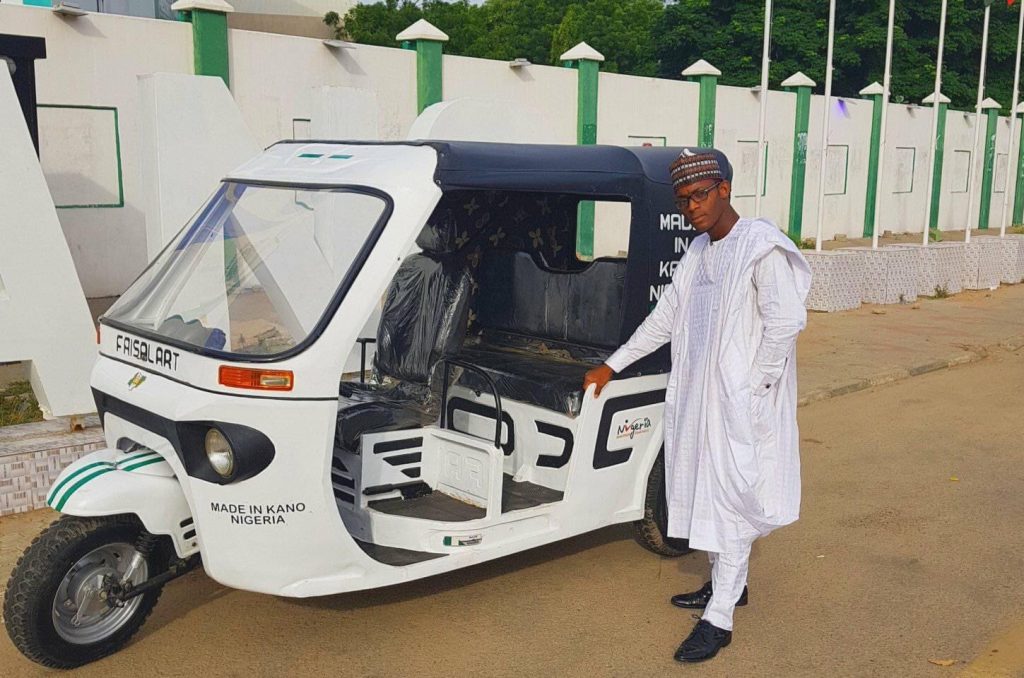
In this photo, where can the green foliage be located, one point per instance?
(941, 292)
(651, 37)
(803, 244)
(18, 405)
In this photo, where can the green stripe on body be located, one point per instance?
(141, 464)
(83, 481)
(134, 462)
(135, 457)
(60, 486)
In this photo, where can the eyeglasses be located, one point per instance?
(697, 196)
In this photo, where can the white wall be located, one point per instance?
(849, 133)
(95, 60)
(293, 7)
(549, 89)
(273, 76)
(737, 110)
(630, 107)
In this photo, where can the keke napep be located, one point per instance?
(361, 364)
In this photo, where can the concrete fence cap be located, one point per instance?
(989, 103)
(208, 5)
(700, 67)
(582, 52)
(872, 89)
(798, 79)
(930, 99)
(422, 30)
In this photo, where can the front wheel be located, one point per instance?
(61, 609)
(651, 531)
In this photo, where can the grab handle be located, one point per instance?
(490, 384)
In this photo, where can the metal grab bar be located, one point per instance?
(490, 383)
(363, 341)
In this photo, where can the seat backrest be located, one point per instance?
(518, 295)
(424, 316)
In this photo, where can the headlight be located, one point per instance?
(220, 454)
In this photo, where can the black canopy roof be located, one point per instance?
(595, 170)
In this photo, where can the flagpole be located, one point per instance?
(977, 123)
(1010, 157)
(936, 105)
(761, 169)
(885, 109)
(826, 118)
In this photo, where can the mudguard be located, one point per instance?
(111, 482)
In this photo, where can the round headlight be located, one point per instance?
(219, 452)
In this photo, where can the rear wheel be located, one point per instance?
(651, 531)
(61, 608)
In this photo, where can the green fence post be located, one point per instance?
(209, 19)
(940, 143)
(587, 61)
(874, 91)
(707, 76)
(429, 42)
(991, 109)
(1018, 190)
(802, 85)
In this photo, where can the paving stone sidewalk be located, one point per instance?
(845, 352)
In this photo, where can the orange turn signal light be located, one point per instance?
(260, 380)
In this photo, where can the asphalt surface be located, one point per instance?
(910, 549)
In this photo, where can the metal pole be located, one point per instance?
(885, 111)
(826, 118)
(1013, 126)
(936, 111)
(977, 124)
(761, 169)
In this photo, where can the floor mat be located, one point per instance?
(438, 506)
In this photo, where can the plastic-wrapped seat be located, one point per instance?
(423, 321)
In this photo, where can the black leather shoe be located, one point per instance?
(703, 643)
(698, 600)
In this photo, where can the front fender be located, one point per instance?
(111, 482)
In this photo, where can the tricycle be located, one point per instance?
(359, 364)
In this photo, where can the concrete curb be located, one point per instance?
(971, 354)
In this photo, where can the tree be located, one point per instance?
(652, 37)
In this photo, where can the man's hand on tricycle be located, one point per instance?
(599, 377)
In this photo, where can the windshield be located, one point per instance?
(255, 271)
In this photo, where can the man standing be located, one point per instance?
(732, 462)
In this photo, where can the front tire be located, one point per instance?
(651, 531)
(56, 607)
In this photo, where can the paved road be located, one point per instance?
(893, 564)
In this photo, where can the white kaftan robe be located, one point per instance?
(732, 314)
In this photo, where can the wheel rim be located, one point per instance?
(81, 611)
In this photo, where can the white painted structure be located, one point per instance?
(95, 61)
(43, 315)
(192, 135)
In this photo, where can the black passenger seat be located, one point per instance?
(543, 329)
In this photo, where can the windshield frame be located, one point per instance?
(335, 301)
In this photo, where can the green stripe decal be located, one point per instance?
(340, 157)
(311, 155)
(83, 481)
(56, 490)
(135, 457)
(142, 463)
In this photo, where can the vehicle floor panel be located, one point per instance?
(441, 507)
(392, 555)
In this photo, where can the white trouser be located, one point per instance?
(728, 577)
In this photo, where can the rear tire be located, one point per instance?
(651, 531)
(55, 607)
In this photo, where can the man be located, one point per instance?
(732, 314)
